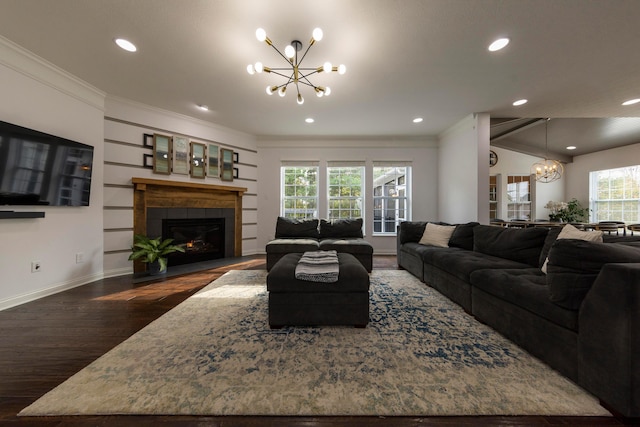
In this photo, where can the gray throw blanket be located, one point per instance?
(318, 266)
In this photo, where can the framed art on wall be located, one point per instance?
(198, 164)
(147, 140)
(226, 159)
(213, 161)
(180, 155)
(161, 154)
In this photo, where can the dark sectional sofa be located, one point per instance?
(582, 317)
(298, 236)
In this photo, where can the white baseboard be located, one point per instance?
(32, 296)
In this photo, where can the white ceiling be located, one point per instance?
(404, 58)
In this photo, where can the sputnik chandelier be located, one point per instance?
(547, 170)
(293, 72)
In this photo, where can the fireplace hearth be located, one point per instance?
(201, 238)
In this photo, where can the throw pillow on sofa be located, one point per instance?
(347, 228)
(569, 232)
(574, 265)
(288, 228)
(516, 244)
(462, 236)
(437, 235)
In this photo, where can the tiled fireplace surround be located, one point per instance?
(157, 199)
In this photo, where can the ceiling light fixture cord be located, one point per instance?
(294, 72)
(548, 170)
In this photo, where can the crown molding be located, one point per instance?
(28, 64)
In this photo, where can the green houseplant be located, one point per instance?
(570, 211)
(153, 252)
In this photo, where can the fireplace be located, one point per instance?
(154, 200)
(202, 239)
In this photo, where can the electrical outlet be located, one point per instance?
(79, 257)
(36, 266)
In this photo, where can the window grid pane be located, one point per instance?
(345, 192)
(299, 191)
(615, 195)
(390, 204)
(518, 197)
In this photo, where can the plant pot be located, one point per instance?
(153, 268)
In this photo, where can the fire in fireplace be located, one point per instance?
(202, 239)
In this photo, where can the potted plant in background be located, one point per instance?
(153, 252)
(570, 211)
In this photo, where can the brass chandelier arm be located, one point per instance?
(294, 73)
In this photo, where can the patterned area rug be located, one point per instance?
(214, 354)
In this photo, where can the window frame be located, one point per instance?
(628, 205)
(293, 212)
(389, 182)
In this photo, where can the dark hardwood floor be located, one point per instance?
(42, 343)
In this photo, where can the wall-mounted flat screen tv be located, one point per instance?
(41, 169)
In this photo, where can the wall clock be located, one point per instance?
(493, 158)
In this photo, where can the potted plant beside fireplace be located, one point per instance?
(153, 252)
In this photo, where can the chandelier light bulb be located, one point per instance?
(294, 72)
(290, 51)
(261, 34)
(317, 34)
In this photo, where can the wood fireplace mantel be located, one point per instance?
(156, 193)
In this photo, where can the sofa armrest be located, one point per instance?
(609, 338)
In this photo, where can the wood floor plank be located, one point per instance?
(46, 341)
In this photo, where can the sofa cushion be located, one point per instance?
(461, 263)
(411, 231)
(341, 228)
(462, 236)
(525, 288)
(296, 228)
(574, 265)
(285, 246)
(517, 244)
(353, 246)
(570, 232)
(437, 235)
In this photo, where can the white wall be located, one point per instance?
(513, 163)
(577, 185)
(463, 178)
(37, 95)
(125, 123)
(422, 154)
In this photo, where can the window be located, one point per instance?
(344, 187)
(299, 191)
(389, 197)
(518, 197)
(614, 194)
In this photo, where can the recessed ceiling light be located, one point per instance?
(309, 120)
(203, 107)
(418, 120)
(631, 101)
(520, 102)
(571, 147)
(498, 44)
(126, 45)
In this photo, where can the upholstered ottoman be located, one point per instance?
(296, 302)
